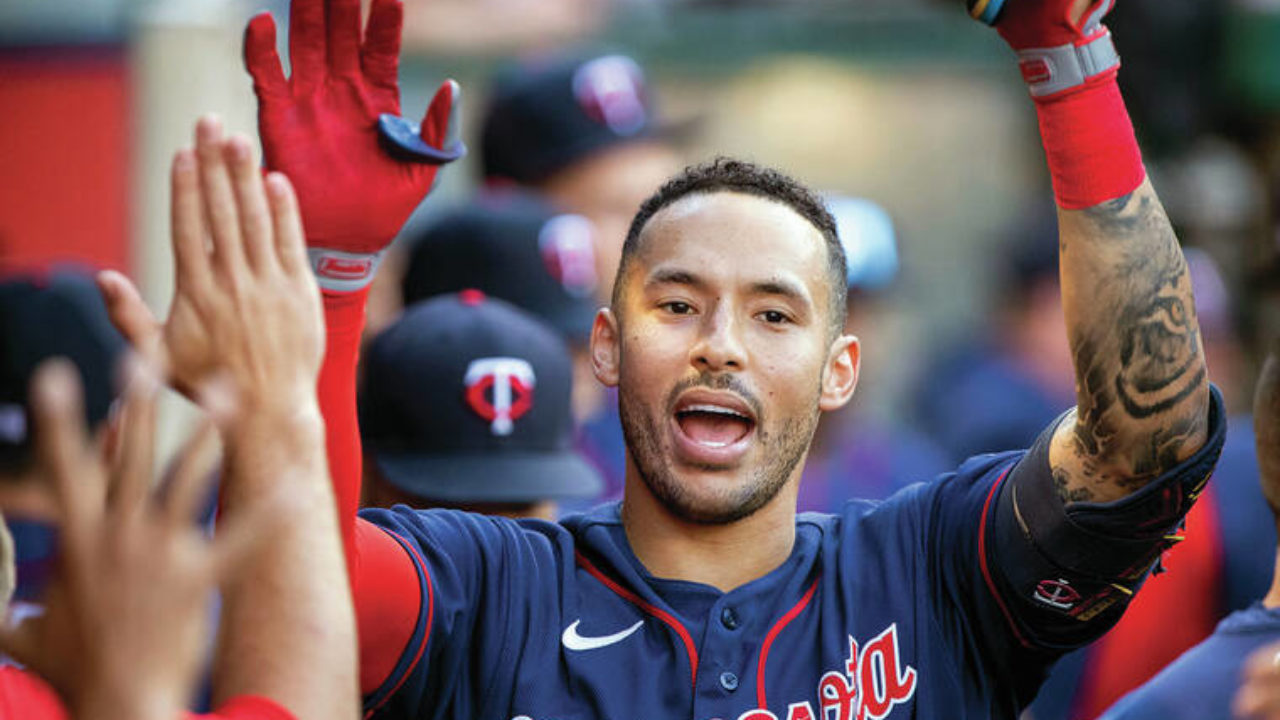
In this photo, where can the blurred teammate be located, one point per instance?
(725, 340)
(514, 245)
(61, 315)
(857, 452)
(465, 404)
(1202, 684)
(583, 131)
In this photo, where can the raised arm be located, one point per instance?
(1142, 392)
(333, 127)
(245, 326)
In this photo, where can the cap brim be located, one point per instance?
(496, 477)
(663, 131)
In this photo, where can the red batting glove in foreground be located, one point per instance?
(320, 128)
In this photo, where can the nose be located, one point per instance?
(719, 346)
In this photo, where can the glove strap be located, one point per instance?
(343, 272)
(1055, 70)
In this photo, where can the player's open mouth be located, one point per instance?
(711, 427)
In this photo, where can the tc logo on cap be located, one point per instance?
(610, 91)
(568, 249)
(511, 381)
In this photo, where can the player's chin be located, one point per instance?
(714, 497)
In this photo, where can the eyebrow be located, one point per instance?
(672, 276)
(774, 286)
(780, 287)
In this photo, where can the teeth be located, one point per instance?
(716, 409)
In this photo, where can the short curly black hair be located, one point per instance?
(725, 174)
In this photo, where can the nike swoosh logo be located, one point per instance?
(573, 641)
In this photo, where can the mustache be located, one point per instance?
(718, 381)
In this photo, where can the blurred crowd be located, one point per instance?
(952, 288)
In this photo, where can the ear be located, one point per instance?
(606, 349)
(840, 376)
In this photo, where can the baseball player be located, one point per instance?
(490, 448)
(703, 594)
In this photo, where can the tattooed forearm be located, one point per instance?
(1141, 382)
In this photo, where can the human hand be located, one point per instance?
(1061, 44)
(125, 619)
(246, 310)
(320, 127)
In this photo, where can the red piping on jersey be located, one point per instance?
(772, 634)
(431, 610)
(662, 615)
(982, 560)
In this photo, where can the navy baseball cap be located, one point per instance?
(545, 114)
(61, 315)
(466, 399)
(513, 246)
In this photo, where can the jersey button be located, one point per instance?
(729, 618)
(728, 681)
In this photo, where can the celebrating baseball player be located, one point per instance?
(703, 594)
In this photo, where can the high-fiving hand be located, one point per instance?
(126, 618)
(246, 310)
(320, 127)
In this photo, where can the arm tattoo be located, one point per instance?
(1136, 350)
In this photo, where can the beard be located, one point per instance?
(783, 448)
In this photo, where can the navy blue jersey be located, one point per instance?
(1201, 684)
(902, 608)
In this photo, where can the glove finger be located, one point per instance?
(343, 26)
(441, 126)
(380, 56)
(1093, 17)
(306, 42)
(261, 58)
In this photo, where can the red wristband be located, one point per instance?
(344, 311)
(1092, 152)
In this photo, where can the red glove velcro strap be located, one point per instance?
(1092, 152)
(1053, 70)
(339, 271)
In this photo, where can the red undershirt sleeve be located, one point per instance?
(344, 323)
(385, 583)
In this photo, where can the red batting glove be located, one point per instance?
(1062, 45)
(356, 186)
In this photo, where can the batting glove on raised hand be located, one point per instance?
(333, 127)
(1062, 45)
